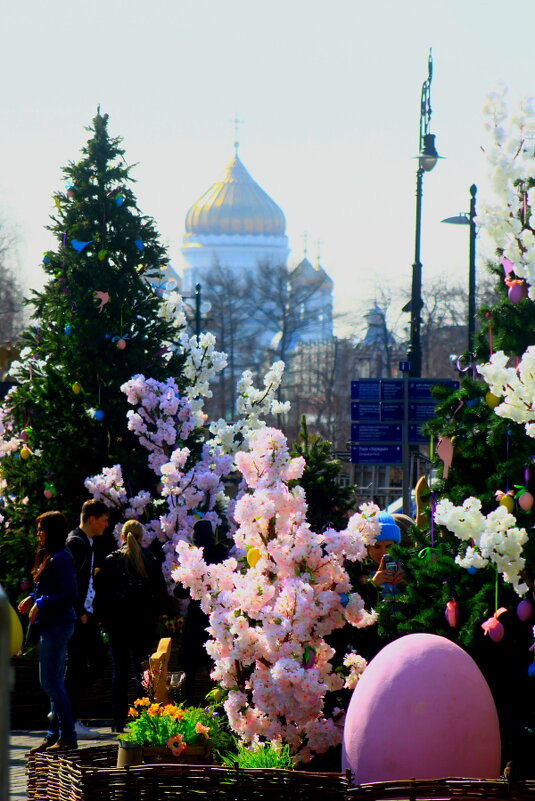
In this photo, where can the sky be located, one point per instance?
(329, 97)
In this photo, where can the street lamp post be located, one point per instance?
(197, 298)
(427, 158)
(470, 219)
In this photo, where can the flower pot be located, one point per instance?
(129, 754)
(192, 755)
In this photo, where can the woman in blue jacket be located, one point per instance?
(51, 610)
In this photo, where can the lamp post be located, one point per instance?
(427, 158)
(470, 219)
(197, 298)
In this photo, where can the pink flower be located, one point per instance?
(176, 744)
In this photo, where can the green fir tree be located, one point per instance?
(97, 322)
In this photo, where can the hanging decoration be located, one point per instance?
(524, 610)
(492, 400)
(506, 499)
(524, 498)
(493, 627)
(78, 245)
(253, 555)
(452, 613)
(445, 453)
(76, 387)
(140, 245)
(103, 297)
(518, 289)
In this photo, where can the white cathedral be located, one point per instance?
(237, 225)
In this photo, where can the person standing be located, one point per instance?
(85, 652)
(131, 596)
(51, 611)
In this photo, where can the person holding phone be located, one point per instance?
(385, 573)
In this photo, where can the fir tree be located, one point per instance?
(490, 454)
(329, 502)
(96, 323)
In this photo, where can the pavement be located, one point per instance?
(21, 741)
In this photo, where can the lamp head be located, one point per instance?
(428, 154)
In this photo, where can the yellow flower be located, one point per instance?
(200, 729)
(153, 710)
(142, 702)
(133, 713)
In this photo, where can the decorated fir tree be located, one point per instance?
(471, 575)
(97, 322)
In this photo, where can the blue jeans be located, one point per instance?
(52, 655)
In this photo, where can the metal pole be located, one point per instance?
(5, 636)
(198, 310)
(472, 272)
(415, 347)
(405, 454)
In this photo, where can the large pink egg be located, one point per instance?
(422, 710)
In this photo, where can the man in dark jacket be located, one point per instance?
(85, 652)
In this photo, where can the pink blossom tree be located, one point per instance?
(272, 605)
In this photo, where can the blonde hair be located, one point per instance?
(132, 533)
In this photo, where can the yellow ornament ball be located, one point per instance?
(25, 452)
(253, 555)
(492, 400)
(16, 635)
(76, 388)
(507, 501)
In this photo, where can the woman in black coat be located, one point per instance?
(132, 595)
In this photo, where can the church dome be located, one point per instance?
(307, 273)
(237, 205)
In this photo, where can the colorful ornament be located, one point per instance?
(76, 387)
(493, 627)
(253, 556)
(445, 453)
(492, 400)
(309, 657)
(524, 610)
(101, 255)
(24, 584)
(506, 499)
(121, 344)
(119, 200)
(518, 290)
(68, 330)
(104, 298)
(99, 414)
(471, 570)
(344, 599)
(452, 613)
(78, 245)
(140, 245)
(531, 670)
(48, 494)
(525, 499)
(25, 452)
(16, 635)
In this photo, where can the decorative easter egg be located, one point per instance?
(68, 330)
(344, 599)
(24, 585)
(16, 637)
(253, 555)
(524, 610)
(99, 414)
(492, 400)
(309, 657)
(472, 570)
(517, 291)
(48, 494)
(508, 501)
(525, 501)
(121, 344)
(25, 452)
(427, 686)
(24, 436)
(497, 632)
(452, 613)
(76, 388)
(531, 670)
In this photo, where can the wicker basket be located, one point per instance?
(89, 774)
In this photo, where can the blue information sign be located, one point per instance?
(415, 434)
(376, 432)
(422, 388)
(376, 454)
(377, 412)
(370, 389)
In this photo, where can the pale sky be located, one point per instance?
(329, 93)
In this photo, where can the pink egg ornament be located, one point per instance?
(524, 610)
(121, 344)
(428, 686)
(517, 292)
(525, 501)
(48, 494)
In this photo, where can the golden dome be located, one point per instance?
(236, 205)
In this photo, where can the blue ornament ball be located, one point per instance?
(472, 570)
(68, 330)
(344, 598)
(99, 414)
(531, 670)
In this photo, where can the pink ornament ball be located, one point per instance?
(24, 584)
(496, 632)
(517, 292)
(526, 501)
(121, 344)
(524, 610)
(48, 494)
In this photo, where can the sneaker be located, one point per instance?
(84, 732)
